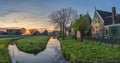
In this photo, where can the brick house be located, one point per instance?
(106, 24)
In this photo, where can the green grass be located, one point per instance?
(32, 44)
(8, 36)
(4, 53)
(82, 52)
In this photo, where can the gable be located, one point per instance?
(106, 16)
(97, 18)
(97, 21)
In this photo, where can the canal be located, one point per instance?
(52, 54)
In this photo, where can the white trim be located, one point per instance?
(112, 25)
(99, 16)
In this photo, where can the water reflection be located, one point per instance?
(52, 54)
(58, 57)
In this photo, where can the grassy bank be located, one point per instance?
(89, 52)
(9, 36)
(4, 53)
(32, 44)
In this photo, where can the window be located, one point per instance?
(106, 31)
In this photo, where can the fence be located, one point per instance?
(107, 41)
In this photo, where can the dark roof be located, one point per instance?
(106, 16)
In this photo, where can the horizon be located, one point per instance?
(34, 13)
(27, 28)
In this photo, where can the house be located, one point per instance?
(106, 24)
(43, 31)
(32, 31)
(3, 31)
(40, 31)
(15, 31)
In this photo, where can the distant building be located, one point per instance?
(15, 31)
(45, 32)
(33, 31)
(36, 33)
(41, 31)
(3, 31)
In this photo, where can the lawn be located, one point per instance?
(89, 52)
(32, 44)
(4, 53)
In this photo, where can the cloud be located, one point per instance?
(5, 12)
(14, 18)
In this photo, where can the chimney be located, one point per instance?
(80, 15)
(113, 14)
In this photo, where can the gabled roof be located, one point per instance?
(106, 16)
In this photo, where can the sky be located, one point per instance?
(34, 13)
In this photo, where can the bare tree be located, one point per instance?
(63, 17)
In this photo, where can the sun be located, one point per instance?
(27, 32)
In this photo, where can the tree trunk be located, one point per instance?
(81, 36)
(75, 36)
(60, 33)
(63, 33)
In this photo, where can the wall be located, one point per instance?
(114, 31)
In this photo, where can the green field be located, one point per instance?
(4, 53)
(32, 44)
(89, 52)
